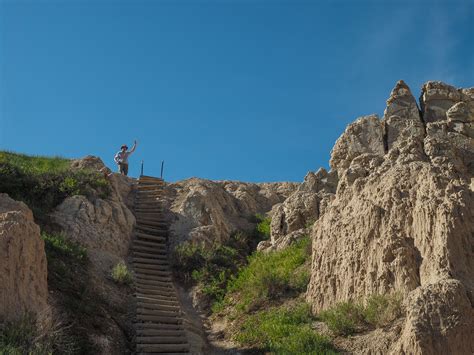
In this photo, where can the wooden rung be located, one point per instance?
(150, 255)
(161, 340)
(156, 312)
(151, 261)
(165, 270)
(160, 319)
(155, 326)
(156, 300)
(147, 243)
(151, 230)
(158, 306)
(161, 348)
(155, 283)
(150, 237)
(160, 332)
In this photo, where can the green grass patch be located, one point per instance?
(343, 318)
(43, 182)
(381, 310)
(57, 246)
(347, 318)
(283, 330)
(121, 274)
(270, 276)
(31, 165)
(263, 226)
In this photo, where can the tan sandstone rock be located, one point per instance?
(207, 211)
(104, 225)
(402, 220)
(292, 218)
(23, 266)
(365, 135)
(437, 98)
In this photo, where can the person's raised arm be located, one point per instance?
(134, 147)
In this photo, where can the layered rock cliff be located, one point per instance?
(402, 218)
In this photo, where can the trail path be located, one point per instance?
(159, 319)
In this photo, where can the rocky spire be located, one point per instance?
(402, 103)
(403, 127)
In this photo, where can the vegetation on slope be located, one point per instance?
(212, 267)
(265, 305)
(347, 318)
(67, 275)
(44, 182)
(270, 277)
(26, 336)
(283, 330)
(121, 274)
(259, 293)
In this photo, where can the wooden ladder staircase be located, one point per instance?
(159, 320)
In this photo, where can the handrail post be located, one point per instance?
(141, 171)
(162, 164)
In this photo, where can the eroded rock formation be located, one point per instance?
(402, 218)
(293, 218)
(23, 266)
(210, 211)
(100, 224)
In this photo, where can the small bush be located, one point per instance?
(381, 310)
(121, 274)
(263, 227)
(283, 330)
(343, 318)
(347, 318)
(57, 245)
(271, 276)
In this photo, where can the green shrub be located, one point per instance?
(381, 310)
(57, 245)
(348, 317)
(270, 276)
(343, 318)
(283, 330)
(263, 227)
(121, 274)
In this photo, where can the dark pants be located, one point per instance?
(123, 169)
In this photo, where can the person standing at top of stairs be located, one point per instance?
(121, 158)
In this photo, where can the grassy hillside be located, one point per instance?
(44, 182)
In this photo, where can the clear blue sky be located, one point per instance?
(244, 90)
